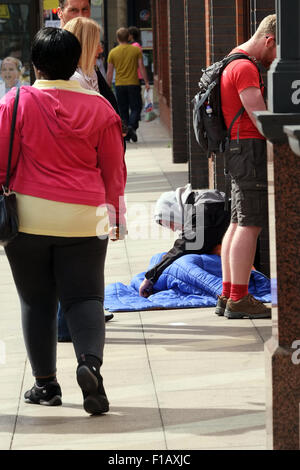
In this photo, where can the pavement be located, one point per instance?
(181, 379)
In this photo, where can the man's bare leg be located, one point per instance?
(225, 252)
(226, 272)
(241, 257)
(242, 253)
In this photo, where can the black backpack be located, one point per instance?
(214, 225)
(208, 121)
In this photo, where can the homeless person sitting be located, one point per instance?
(199, 218)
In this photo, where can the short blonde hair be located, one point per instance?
(123, 35)
(14, 60)
(87, 32)
(267, 27)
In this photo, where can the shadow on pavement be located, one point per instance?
(217, 422)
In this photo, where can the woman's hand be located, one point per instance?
(146, 288)
(117, 232)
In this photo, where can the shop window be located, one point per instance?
(17, 27)
(140, 16)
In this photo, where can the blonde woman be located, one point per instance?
(87, 32)
(87, 74)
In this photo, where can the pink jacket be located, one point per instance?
(68, 147)
(136, 44)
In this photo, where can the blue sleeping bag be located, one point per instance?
(190, 281)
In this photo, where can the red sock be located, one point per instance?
(226, 289)
(238, 291)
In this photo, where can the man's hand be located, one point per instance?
(146, 288)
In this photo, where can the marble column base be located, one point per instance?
(283, 397)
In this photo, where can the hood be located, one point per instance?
(168, 209)
(62, 118)
(177, 205)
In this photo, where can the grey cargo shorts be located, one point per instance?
(246, 162)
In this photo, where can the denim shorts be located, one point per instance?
(246, 162)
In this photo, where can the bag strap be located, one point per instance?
(11, 140)
(238, 114)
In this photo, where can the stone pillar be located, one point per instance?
(242, 21)
(282, 350)
(116, 18)
(220, 16)
(177, 81)
(222, 28)
(41, 13)
(161, 47)
(122, 13)
(195, 60)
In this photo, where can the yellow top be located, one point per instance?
(60, 219)
(44, 217)
(125, 60)
(68, 85)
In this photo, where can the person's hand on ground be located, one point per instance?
(146, 288)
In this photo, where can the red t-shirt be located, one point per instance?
(237, 76)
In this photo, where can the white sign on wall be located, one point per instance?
(147, 38)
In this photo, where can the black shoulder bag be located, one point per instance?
(9, 222)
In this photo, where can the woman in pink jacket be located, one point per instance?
(69, 175)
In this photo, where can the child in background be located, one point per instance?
(11, 69)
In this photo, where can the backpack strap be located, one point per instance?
(238, 114)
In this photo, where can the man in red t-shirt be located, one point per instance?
(247, 165)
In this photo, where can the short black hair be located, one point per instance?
(55, 52)
(135, 33)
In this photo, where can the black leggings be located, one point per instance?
(46, 269)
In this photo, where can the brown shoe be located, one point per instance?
(221, 305)
(247, 307)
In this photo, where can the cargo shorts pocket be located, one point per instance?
(240, 160)
(252, 208)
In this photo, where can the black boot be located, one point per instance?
(48, 394)
(131, 134)
(91, 383)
